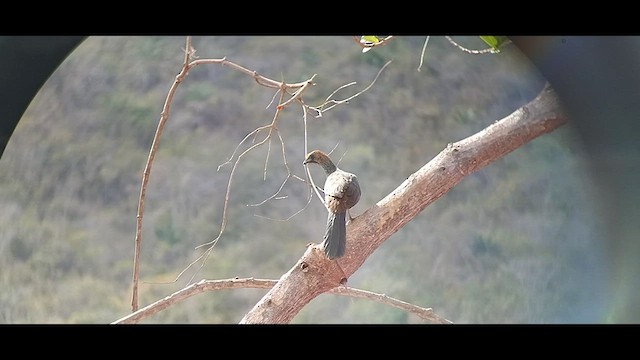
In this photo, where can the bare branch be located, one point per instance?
(289, 175)
(426, 314)
(474, 52)
(253, 133)
(203, 258)
(298, 94)
(342, 157)
(304, 123)
(320, 109)
(251, 283)
(261, 80)
(296, 91)
(193, 289)
(273, 98)
(266, 160)
(424, 50)
(147, 169)
(314, 274)
(328, 99)
(313, 185)
(187, 65)
(233, 169)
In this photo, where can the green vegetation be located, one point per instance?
(517, 241)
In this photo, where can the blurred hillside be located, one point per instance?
(517, 242)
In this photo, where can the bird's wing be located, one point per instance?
(338, 183)
(352, 193)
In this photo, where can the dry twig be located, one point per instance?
(295, 92)
(470, 51)
(426, 314)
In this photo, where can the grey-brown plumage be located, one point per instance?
(341, 192)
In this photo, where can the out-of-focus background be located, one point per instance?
(521, 241)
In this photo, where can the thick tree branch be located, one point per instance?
(313, 274)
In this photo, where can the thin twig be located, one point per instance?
(424, 49)
(331, 95)
(286, 165)
(314, 186)
(254, 132)
(187, 65)
(334, 148)
(305, 130)
(203, 258)
(289, 175)
(193, 289)
(299, 92)
(261, 80)
(426, 314)
(296, 91)
(266, 160)
(201, 286)
(474, 52)
(320, 109)
(164, 116)
(273, 98)
(342, 157)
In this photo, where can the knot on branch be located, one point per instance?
(304, 267)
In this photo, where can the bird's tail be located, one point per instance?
(335, 239)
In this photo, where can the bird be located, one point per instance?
(341, 192)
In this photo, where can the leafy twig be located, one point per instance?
(470, 51)
(370, 45)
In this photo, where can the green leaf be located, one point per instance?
(369, 39)
(494, 41)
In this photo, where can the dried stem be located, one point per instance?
(426, 314)
(186, 66)
(295, 90)
(320, 109)
(147, 169)
(474, 52)
(424, 50)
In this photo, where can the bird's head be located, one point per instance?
(320, 158)
(316, 156)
